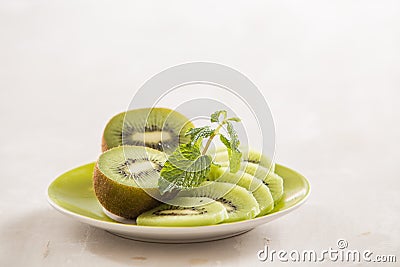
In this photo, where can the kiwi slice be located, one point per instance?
(123, 177)
(158, 128)
(248, 156)
(240, 203)
(185, 211)
(258, 166)
(259, 190)
(270, 179)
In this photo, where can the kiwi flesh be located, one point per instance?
(185, 211)
(239, 203)
(158, 128)
(124, 178)
(270, 179)
(248, 156)
(259, 190)
(254, 163)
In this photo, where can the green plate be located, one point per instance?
(72, 194)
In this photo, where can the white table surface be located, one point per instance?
(329, 69)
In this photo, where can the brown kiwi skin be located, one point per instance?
(104, 146)
(119, 199)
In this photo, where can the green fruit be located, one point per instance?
(254, 163)
(185, 211)
(125, 176)
(270, 179)
(240, 203)
(248, 156)
(158, 128)
(259, 190)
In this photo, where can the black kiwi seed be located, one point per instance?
(124, 170)
(136, 128)
(229, 203)
(185, 211)
(161, 146)
(252, 161)
(199, 210)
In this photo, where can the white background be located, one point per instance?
(329, 69)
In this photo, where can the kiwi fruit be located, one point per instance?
(270, 179)
(124, 178)
(248, 156)
(254, 163)
(158, 128)
(185, 211)
(259, 190)
(239, 203)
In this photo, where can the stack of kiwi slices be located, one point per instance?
(136, 144)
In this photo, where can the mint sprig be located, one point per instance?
(215, 116)
(185, 167)
(232, 146)
(197, 134)
(189, 165)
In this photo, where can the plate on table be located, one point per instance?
(72, 194)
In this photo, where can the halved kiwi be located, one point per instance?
(185, 211)
(240, 203)
(259, 190)
(123, 178)
(158, 128)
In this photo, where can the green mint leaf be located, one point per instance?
(193, 131)
(234, 153)
(197, 133)
(225, 141)
(234, 139)
(236, 119)
(185, 167)
(215, 116)
(235, 158)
